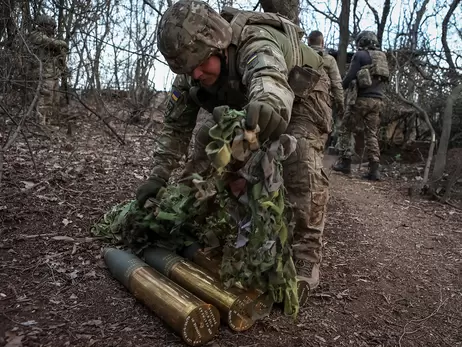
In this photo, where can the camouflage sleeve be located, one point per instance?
(264, 70)
(41, 39)
(335, 79)
(179, 122)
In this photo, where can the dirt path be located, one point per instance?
(391, 273)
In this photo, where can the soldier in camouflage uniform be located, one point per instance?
(246, 66)
(369, 70)
(52, 53)
(316, 41)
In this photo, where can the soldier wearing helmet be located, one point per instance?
(52, 54)
(366, 76)
(243, 60)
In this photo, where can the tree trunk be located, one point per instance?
(288, 8)
(383, 21)
(344, 20)
(440, 160)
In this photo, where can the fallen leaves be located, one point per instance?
(13, 340)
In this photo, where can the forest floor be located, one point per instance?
(391, 273)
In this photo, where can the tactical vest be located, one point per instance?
(378, 69)
(232, 93)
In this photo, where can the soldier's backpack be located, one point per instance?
(302, 79)
(378, 69)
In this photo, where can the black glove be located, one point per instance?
(272, 125)
(149, 189)
(218, 113)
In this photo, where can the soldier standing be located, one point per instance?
(316, 41)
(366, 76)
(52, 54)
(225, 60)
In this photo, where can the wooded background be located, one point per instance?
(113, 55)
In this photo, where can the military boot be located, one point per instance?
(308, 272)
(343, 165)
(373, 174)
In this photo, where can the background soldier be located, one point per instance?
(368, 73)
(52, 53)
(247, 67)
(316, 41)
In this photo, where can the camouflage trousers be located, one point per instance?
(49, 99)
(306, 183)
(48, 103)
(367, 111)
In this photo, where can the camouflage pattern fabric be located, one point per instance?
(367, 39)
(379, 66)
(366, 110)
(331, 67)
(248, 219)
(52, 54)
(306, 182)
(194, 32)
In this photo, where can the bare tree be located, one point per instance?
(440, 161)
(344, 23)
(380, 21)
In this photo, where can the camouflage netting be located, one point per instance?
(239, 207)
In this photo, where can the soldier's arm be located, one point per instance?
(41, 39)
(355, 66)
(264, 71)
(179, 122)
(336, 80)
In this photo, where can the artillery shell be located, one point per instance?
(235, 307)
(196, 321)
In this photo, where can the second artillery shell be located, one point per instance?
(212, 264)
(234, 307)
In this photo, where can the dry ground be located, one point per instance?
(391, 274)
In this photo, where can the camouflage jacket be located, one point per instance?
(331, 67)
(263, 61)
(52, 53)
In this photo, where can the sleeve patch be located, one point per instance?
(252, 58)
(175, 95)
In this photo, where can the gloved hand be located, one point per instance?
(272, 125)
(149, 189)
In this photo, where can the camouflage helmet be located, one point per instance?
(189, 33)
(44, 20)
(367, 39)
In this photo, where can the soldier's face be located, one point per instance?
(208, 72)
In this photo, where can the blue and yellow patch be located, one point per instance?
(175, 95)
(251, 59)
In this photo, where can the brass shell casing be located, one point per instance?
(235, 306)
(194, 320)
(212, 262)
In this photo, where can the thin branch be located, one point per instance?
(25, 137)
(121, 140)
(405, 332)
(375, 13)
(444, 40)
(29, 111)
(332, 17)
(124, 49)
(151, 5)
(425, 117)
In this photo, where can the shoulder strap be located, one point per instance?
(238, 19)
